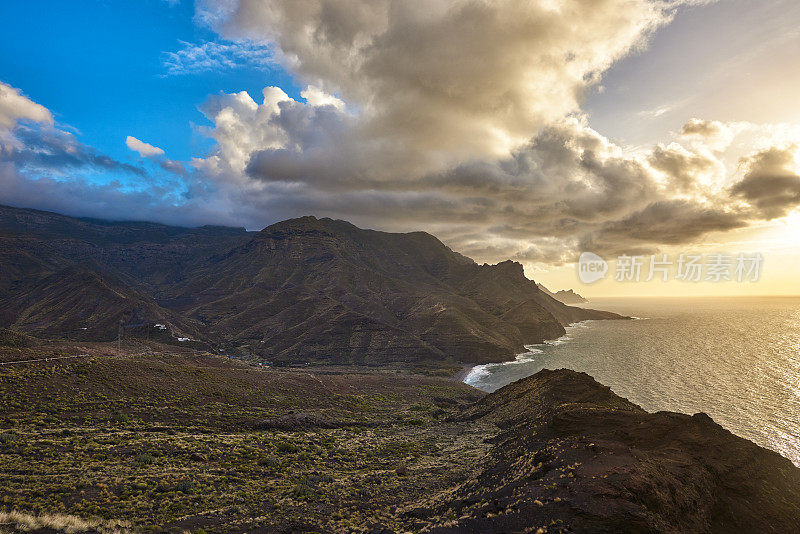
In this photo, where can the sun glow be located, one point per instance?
(785, 233)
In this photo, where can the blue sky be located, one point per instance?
(99, 66)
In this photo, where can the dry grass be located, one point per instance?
(68, 524)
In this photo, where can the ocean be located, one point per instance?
(736, 359)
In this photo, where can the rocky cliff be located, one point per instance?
(301, 290)
(571, 456)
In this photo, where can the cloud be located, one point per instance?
(14, 106)
(714, 134)
(684, 168)
(317, 97)
(445, 81)
(145, 150)
(665, 222)
(212, 56)
(156, 154)
(567, 187)
(111, 200)
(771, 183)
(30, 141)
(41, 148)
(175, 167)
(461, 118)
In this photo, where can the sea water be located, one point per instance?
(736, 359)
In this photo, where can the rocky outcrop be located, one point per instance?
(571, 456)
(565, 296)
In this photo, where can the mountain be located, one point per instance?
(83, 278)
(300, 290)
(565, 296)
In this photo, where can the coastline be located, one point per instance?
(467, 370)
(463, 373)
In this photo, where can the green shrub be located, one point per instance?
(269, 461)
(184, 486)
(9, 437)
(284, 447)
(144, 459)
(304, 492)
(120, 418)
(10, 338)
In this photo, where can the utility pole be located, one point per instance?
(119, 339)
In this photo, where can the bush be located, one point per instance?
(304, 492)
(120, 418)
(144, 459)
(269, 461)
(284, 447)
(184, 486)
(10, 338)
(9, 437)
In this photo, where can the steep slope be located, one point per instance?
(143, 254)
(321, 289)
(81, 278)
(571, 456)
(301, 290)
(80, 304)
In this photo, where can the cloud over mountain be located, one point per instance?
(460, 117)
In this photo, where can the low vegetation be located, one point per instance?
(167, 441)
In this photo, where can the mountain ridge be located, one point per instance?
(300, 290)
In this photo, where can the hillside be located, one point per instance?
(167, 440)
(303, 290)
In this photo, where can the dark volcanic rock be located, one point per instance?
(571, 456)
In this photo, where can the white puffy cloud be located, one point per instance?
(145, 150)
(446, 80)
(15, 106)
(317, 97)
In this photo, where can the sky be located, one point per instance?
(530, 130)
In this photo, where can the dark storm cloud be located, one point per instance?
(669, 222)
(771, 184)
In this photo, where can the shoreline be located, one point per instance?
(466, 370)
(463, 373)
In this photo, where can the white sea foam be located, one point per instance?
(477, 373)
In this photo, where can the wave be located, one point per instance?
(479, 372)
